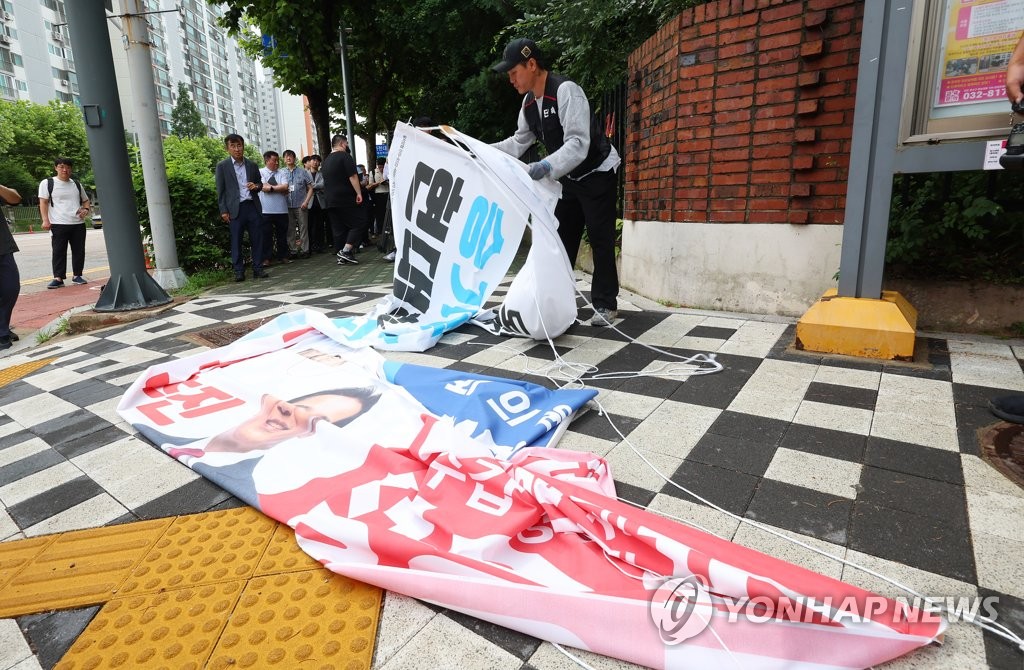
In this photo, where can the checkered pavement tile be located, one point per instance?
(872, 462)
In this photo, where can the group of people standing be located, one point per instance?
(294, 211)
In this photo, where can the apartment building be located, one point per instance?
(37, 63)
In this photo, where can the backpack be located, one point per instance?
(81, 192)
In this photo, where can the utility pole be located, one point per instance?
(130, 286)
(151, 147)
(350, 119)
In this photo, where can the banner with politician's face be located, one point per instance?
(424, 482)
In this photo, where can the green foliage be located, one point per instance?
(201, 237)
(304, 61)
(406, 59)
(962, 225)
(199, 281)
(590, 40)
(186, 121)
(32, 135)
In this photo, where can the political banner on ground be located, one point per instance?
(460, 208)
(459, 510)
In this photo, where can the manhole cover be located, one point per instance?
(223, 335)
(1002, 446)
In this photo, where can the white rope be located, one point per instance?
(581, 373)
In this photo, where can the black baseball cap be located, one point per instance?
(517, 51)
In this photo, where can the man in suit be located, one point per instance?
(238, 186)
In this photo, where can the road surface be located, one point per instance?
(34, 259)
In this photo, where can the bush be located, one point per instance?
(957, 225)
(202, 239)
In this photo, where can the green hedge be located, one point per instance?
(959, 225)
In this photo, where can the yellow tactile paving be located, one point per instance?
(16, 372)
(312, 619)
(81, 568)
(284, 555)
(16, 555)
(227, 589)
(176, 629)
(203, 549)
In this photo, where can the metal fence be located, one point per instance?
(612, 113)
(26, 218)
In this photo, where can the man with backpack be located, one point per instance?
(64, 204)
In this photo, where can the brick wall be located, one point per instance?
(741, 111)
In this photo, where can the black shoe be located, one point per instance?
(262, 275)
(239, 277)
(56, 283)
(1008, 407)
(346, 257)
(5, 343)
(14, 336)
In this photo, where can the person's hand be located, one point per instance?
(225, 217)
(539, 170)
(1014, 79)
(303, 206)
(252, 186)
(46, 225)
(359, 198)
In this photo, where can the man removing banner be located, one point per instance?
(556, 113)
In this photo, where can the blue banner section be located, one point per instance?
(513, 412)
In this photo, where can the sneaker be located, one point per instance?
(603, 316)
(56, 283)
(390, 258)
(346, 257)
(79, 280)
(1008, 407)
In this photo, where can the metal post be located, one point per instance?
(130, 286)
(349, 118)
(151, 148)
(880, 79)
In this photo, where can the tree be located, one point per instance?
(301, 51)
(407, 58)
(590, 40)
(33, 135)
(186, 121)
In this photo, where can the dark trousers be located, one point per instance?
(275, 227)
(60, 237)
(248, 221)
(347, 225)
(590, 203)
(316, 229)
(10, 285)
(380, 210)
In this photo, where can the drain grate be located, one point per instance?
(224, 335)
(1002, 446)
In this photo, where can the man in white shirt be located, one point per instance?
(64, 204)
(274, 198)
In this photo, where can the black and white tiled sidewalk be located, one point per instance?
(873, 462)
